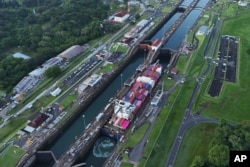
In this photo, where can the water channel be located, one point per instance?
(61, 144)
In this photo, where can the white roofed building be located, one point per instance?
(37, 73)
(21, 55)
(121, 17)
(56, 92)
(25, 84)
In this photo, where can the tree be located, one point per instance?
(218, 155)
(198, 161)
(53, 72)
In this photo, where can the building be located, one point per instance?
(132, 33)
(242, 3)
(37, 73)
(72, 52)
(56, 92)
(52, 62)
(92, 80)
(174, 71)
(156, 44)
(36, 121)
(121, 17)
(25, 84)
(21, 55)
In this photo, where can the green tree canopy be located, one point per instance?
(53, 72)
(198, 161)
(218, 155)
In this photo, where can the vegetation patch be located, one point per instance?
(194, 143)
(230, 105)
(11, 156)
(164, 133)
(9, 130)
(119, 48)
(69, 99)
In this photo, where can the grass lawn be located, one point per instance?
(124, 164)
(119, 48)
(66, 102)
(107, 68)
(182, 63)
(231, 105)
(165, 129)
(9, 130)
(1, 121)
(195, 142)
(11, 156)
(137, 136)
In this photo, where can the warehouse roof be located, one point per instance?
(72, 52)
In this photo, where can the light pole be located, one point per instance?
(83, 116)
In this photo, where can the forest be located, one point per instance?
(226, 137)
(42, 29)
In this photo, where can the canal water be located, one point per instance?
(166, 26)
(103, 146)
(179, 35)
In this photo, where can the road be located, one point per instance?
(189, 118)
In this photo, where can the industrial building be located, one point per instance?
(121, 17)
(52, 62)
(36, 121)
(92, 80)
(72, 52)
(25, 84)
(37, 73)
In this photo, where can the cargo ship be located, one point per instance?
(126, 107)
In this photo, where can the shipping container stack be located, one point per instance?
(140, 89)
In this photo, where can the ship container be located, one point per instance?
(149, 67)
(139, 103)
(139, 97)
(147, 72)
(126, 98)
(147, 86)
(128, 92)
(157, 74)
(131, 99)
(151, 73)
(135, 101)
(143, 90)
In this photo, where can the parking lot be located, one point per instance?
(88, 65)
(116, 56)
(226, 64)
